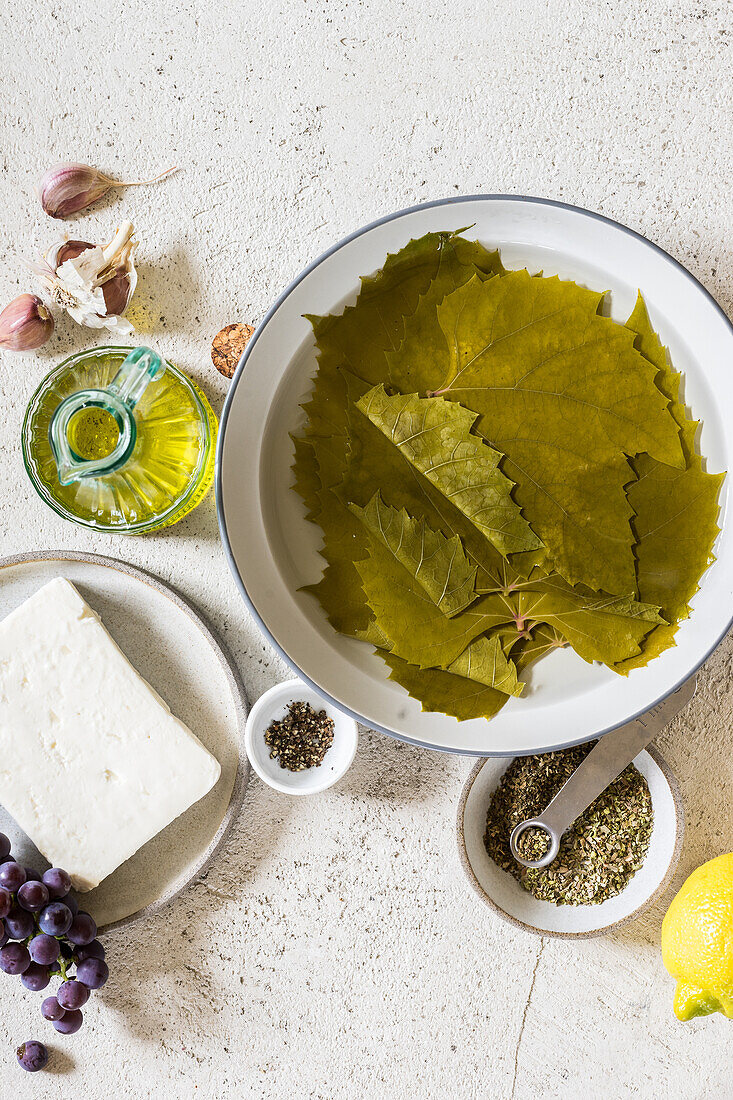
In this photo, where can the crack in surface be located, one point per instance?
(524, 1017)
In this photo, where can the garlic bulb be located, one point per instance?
(94, 284)
(117, 290)
(67, 188)
(25, 324)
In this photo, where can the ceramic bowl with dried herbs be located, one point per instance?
(605, 876)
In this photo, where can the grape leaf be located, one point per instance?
(339, 590)
(375, 462)
(485, 661)
(562, 392)
(376, 465)
(437, 563)
(444, 692)
(542, 640)
(464, 699)
(375, 636)
(435, 437)
(358, 337)
(411, 619)
(676, 511)
(307, 480)
(599, 628)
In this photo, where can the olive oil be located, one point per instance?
(167, 470)
(93, 433)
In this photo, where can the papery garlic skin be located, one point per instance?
(25, 324)
(117, 290)
(94, 284)
(67, 188)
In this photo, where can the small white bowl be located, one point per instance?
(509, 900)
(273, 706)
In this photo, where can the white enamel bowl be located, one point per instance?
(273, 550)
(502, 893)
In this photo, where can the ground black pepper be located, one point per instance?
(301, 739)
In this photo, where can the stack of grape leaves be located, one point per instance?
(498, 470)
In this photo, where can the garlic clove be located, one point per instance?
(68, 188)
(67, 250)
(25, 324)
(117, 293)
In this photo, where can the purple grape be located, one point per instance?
(14, 958)
(32, 896)
(93, 973)
(4, 846)
(71, 903)
(6, 901)
(36, 977)
(3, 935)
(93, 950)
(51, 1009)
(70, 1022)
(72, 994)
(32, 1056)
(32, 875)
(55, 919)
(58, 882)
(19, 924)
(44, 949)
(67, 950)
(82, 930)
(12, 875)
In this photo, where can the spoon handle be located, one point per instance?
(609, 757)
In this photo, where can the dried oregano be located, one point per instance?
(600, 852)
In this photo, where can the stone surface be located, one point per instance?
(335, 949)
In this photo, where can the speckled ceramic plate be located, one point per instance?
(273, 549)
(173, 648)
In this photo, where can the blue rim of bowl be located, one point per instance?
(449, 201)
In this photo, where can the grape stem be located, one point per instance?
(60, 968)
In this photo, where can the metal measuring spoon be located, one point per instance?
(602, 765)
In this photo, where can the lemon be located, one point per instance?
(697, 941)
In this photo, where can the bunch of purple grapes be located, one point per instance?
(44, 934)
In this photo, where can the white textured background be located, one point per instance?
(335, 950)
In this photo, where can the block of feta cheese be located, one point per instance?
(92, 762)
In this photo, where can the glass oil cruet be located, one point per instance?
(120, 440)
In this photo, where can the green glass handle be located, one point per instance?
(142, 365)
